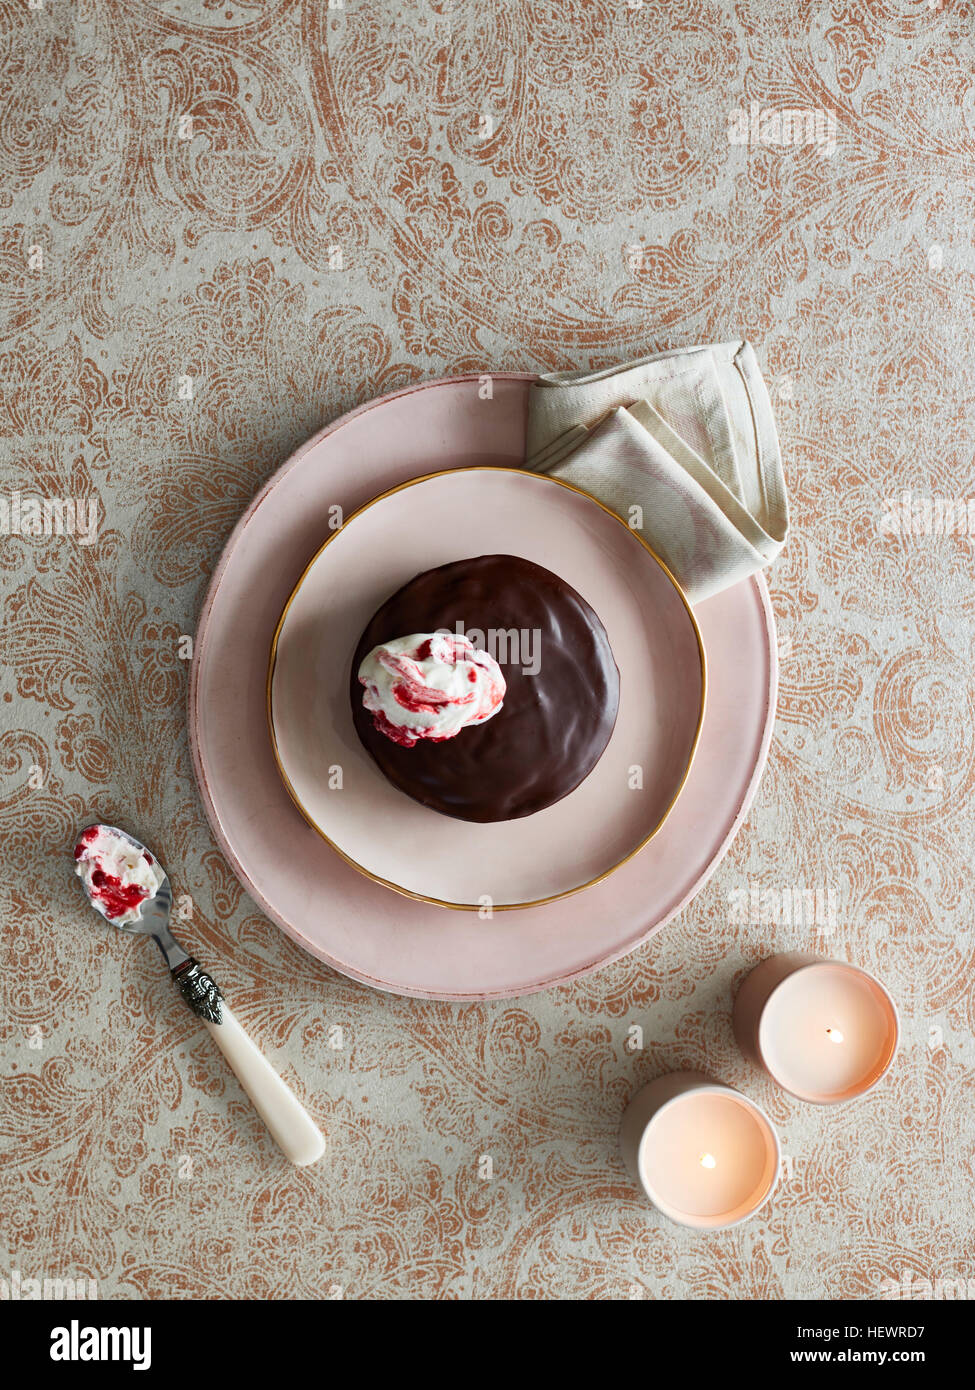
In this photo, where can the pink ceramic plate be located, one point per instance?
(331, 909)
(616, 809)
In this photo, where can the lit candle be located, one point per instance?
(824, 1030)
(704, 1154)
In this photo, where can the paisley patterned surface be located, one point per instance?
(223, 224)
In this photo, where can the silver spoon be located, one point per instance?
(289, 1122)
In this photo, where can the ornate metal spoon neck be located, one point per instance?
(199, 990)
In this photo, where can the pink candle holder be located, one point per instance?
(824, 1030)
(704, 1154)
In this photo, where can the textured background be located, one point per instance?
(368, 196)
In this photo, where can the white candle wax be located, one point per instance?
(705, 1156)
(827, 1032)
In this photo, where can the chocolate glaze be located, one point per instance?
(552, 728)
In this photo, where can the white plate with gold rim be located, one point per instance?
(401, 844)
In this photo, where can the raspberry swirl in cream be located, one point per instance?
(429, 685)
(117, 876)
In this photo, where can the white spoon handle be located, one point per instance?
(293, 1128)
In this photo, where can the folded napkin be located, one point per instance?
(682, 445)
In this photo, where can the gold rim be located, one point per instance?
(423, 897)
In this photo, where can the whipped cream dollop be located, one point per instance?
(429, 685)
(118, 877)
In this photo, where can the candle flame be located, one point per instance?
(708, 1161)
(834, 1035)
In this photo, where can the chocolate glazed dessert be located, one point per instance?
(559, 708)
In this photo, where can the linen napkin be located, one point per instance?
(682, 445)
